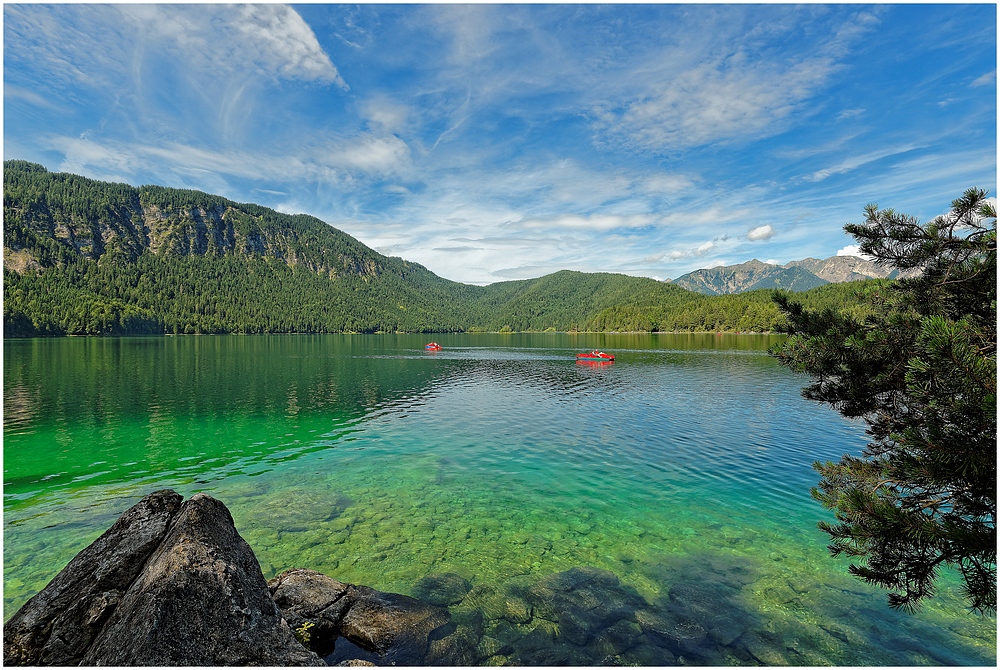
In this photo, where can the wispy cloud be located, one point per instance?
(502, 141)
(854, 162)
(726, 100)
(988, 79)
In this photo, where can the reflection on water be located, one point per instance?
(653, 511)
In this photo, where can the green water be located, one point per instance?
(682, 469)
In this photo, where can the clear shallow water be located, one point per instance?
(682, 470)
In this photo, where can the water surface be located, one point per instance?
(670, 486)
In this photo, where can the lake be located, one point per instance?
(671, 485)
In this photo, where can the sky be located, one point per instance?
(499, 142)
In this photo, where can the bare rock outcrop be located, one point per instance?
(170, 583)
(345, 622)
(200, 600)
(58, 625)
(173, 583)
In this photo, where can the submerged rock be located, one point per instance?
(58, 625)
(446, 588)
(583, 601)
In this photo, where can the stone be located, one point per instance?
(457, 649)
(200, 600)
(648, 655)
(357, 622)
(394, 626)
(714, 607)
(679, 634)
(58, 625)
(765, 647)
(583, 601)
(446, 588)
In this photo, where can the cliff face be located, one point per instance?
(50, 216)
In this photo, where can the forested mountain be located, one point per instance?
(84, 257)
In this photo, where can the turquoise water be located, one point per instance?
(673, 483)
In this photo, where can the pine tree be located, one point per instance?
(920, 369)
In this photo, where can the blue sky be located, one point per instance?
(495, 142)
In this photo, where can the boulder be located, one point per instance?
(313, 603)
(383, 628)
(58, 625)
(446, 588)
(583, 601)
(200, 600)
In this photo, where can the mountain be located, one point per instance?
(85, 257)
(749, 276)
(848, 268)
(794, 276)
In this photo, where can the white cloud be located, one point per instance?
(360, 158)
(765, 232)
(386, 114)
(849, 113)
(852, 250)
(723, 100)
(988, 79)
(372, 155)
(667, 183)
(101, 45)
(281, 42)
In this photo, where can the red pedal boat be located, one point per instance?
(595, 355)
(432, 346)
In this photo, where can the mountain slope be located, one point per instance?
(848, 268)
(568, 300)
(85, 257)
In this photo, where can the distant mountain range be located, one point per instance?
(793, 276)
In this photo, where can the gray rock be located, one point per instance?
(394, 626)
(714, 607)
(200, 600)
(461, 647)
(57, 626)
(356, 622)
(308, 597)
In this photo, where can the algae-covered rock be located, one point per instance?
(583, 601)
(446, 588)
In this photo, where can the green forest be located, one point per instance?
(85, 257)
